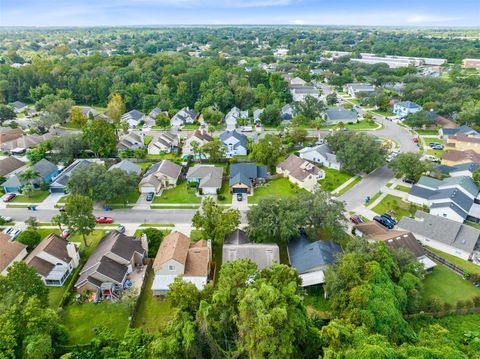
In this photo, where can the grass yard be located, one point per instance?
(315, 299)
(35, 197)
(427, 132)
(349, 186)
(190, 126)
(360, 125)
(403, 188)
(466, 265)
(153, 312)
(145, 165)
(333, 179)
(436, 153)
(429, 140)
(179, 194)
(164, 156)
(447, 286)
(396, 204)
(280, 187)
(387, 113)
(147, 139)
(80, 320)
(55, 295)
(132, 198)
(225, 191)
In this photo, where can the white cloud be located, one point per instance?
(218, 3)
(422, 19)
(298, 22)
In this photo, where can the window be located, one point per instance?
(171, 267)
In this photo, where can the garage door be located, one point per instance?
(240, 190)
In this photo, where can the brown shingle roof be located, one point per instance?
(371, 228)
(299, 168)
(198, 259)
(10, 164)
(401, 239)
(174, 246)
(9, 250)
(461, 156)
(203, 135)
(42, 266)
(54, 245)
(461, 137)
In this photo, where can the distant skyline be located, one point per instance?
(438, 13)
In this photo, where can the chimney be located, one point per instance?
(73, 253)
(143, 240)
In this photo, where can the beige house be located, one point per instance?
(462, 142)
(10, 252)
(8, 134)
(201, 137)
(453, 158)
(179, 256)
(301, 172)
(163, 174)
(54, 259)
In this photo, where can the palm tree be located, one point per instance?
(28, 176)
(317, 123)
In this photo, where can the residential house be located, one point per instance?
(54, 259)
(297, 81)
(287, 112)
(464, 169)
(183, 117)
(466, 130)
(356, 89)
(208, 177)
(452, 198)
(311, 259)
(59, 184)
(151, 119)
(334, 116)
(179, 256)
(88, 111)
(395, 240)
(405, 108)
(115, 257)
(471, 64)
(131, 141)
(7, 135)
(127, 166)
(19, 106)
(133, 118)
(256, 115)
(245, 176)
(46, 172)
(10, 252)
(163, 174)
(453, 158)
(237, 246)
(462, 142)
(20, 144)
(10, 165)
(200, 137)
(166, 142)
(235, 142)
(443, 234)
(299, 93)
(232, 117)
(321, 154)
(301, 172)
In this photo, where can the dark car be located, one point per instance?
(8, 197)
(433, 144)
(150, 196)
(383, 222)
(437, 147)
(239, 197)
(409, 180)
(356, 219)
(389, 217)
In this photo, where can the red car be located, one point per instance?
(104, 220)
(8, 197)
(356, 219)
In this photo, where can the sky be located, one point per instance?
(438, 13)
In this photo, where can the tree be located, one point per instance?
(310, 108)
(476, 176)
(409, 165)
(116, 108)
(29, 175)
(271, 115)
(29, 237)
(215, 150)
(357, 152)
(31, 222)
(276, 219)
(67, 148)
(215, 221)
(212, 116)
(100, 137)
(60, 109)
(154, 238)
(331, 99)
(419, 119)
(298, 135)
(268, 150)
(23, 280)
(470, 114)
(77, 118)
(162, 120)
(184, 296)
(6, 113)
(78, 216)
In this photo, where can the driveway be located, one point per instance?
(240, 205)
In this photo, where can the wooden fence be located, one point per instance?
(431, 254)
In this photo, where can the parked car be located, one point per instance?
(9, 196)
(61, 209)
(104, 220)
(388, 216)
(383, 222)
(66, 233)
(120, 229)
(356, 219)
(389, 220)
(150, 196)
(247, 129)
(6, 219)
(12, 232)
(438, 147)
(239, 197)
(409, 180)
(433, 144)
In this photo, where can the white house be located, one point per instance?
(405, 108)
(235, 142)
(164, 143)
(321, 154)
(208, 177)
(183, 117)
(163, 174)
(355, 89)
(178, 256)
(301, 172)
(199, 137)
(133, 118)
(232, 117)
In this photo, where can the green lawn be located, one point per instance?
(466, 265)
(80, 320)
(447, 286)
(55, 295)
(145, 165)
(427, 132)
(147, 139)
(132, 198)
(349, 186)
(437, 153)
(225, 191)
(179, 194)
(35, 197)
(396, 204)
(383, 113)
(403, 188)
(375, 196)
(333, 179)
(360, 125)
(153, 312)
(191, 126)
(429, 140)
(315, 299)
(280, 187)
(164, 156)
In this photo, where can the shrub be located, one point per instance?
(221, 197)
(154, 238)
(460, 304)
(29, 237)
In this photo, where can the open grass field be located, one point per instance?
(447, 286)
(427, 132)
(333, 179)
(280, 187)
(132, 198)
(179, 194)
(457, 325)
(466, 265)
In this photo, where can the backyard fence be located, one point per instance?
(133, 317)
(445, 262)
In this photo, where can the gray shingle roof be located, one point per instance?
(62, 179)
(453, 195)
(442, 230)
(44, 168)
(127, 166)
(249, 170)
(134, 115)
(409, 105)
(226, 136)
(306, 256)
(340, 115)
(210, 176)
